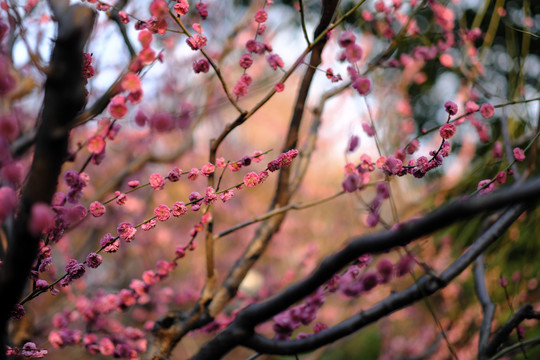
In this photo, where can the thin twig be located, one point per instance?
(303, 22)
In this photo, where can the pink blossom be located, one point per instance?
(487, 110)
(251, 179)
(96, 144)
(197, 27)
(42, 284)
(180, 252)
(246, 60)
(519, 154)
(97, 209)
(30, 350)
(106, 346)
(196, 42)
(351, 183)
(9, 128)
(274, 61)
(41, 218)
(126, 231)
(158, 8)
(485, 186)
(279, 87)
(241, 88)
(74, 269)
(413, 146)
(382, 190)
(346, 38)
(174, 175)
(227, 195)
(497, 152)
(157, 182)
(193, 174)
(121, 198)
(18, 312)
(369, 280)
(123, 17)
(220, 163)
(202, 8)
(263, 175)
(471, 107)
(179, 209)
(501, 177)
(206, 218)
(405, 265)
(261, 16)
(201, 66)
(181, 7)
(210, 196)
(162, 212)
(447, 130)
(141, 118)
(257, 156)
(392, 166)
(117, 107)
(246, 79)
(362, 85)
(145, 57)
(161, 121)
(207, 169)
(353, 53)
(139, 286)
(145, 37)
(255, 47)
(131, 82)
(450, 107)
(149, 277)
(385, 268)
(353, 143)
(149, 225)
(8, 201)
(108, 244)
(368, 129)
(93, 260)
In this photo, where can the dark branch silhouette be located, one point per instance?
(64, 98)
(240, 331)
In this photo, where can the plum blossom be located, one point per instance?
(519, 154)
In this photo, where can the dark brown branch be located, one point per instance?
(114, 16)
(488, 308)
(525, 312)
(64, 97)
(241, 330)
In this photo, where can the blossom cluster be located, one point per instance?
(286, 322)
(253, 46)
(29, 350)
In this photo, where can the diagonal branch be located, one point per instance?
(240, 331)
(525, 312)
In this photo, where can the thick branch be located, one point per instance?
(373, 243)
(525, 312)
(64, 97)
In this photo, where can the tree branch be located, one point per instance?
(64, 97)
(488, 308)
(240, 331)
(525, 312)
